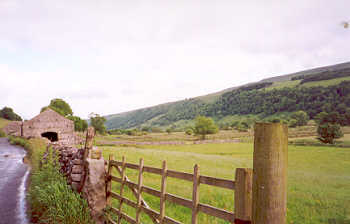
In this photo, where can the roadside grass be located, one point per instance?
(318, 179)
(35, 148)
(51, 200)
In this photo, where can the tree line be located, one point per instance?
(312, 100)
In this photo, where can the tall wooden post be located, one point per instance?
(195, 194)
(89, 141)
(243, 195)
(163, 193)
(109, 181)
(270, 173)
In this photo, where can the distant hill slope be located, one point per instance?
(224, 102)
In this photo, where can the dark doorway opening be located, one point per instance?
(52, 136)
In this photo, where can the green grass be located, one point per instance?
(318, 178)
(53, 201)
(3, 122)
(326, 83)
(280, 85)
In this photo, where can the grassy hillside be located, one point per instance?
(224, 103)
(3, 122)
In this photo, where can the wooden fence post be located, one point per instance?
(163, 193)
(109, 181)
(89, 141)
(195, 194)
(243, 195)
(122, 190)
(139, 193)
(270, 173)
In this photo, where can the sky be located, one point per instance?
(108, 57)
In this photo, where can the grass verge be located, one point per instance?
(51, 200)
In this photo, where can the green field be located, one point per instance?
(326, 83)
(318, 178)
(280, 85)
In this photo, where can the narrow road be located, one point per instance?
(13, 175)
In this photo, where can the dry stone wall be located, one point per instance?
(70, 161)
(85, 171)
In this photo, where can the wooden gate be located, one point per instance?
(242, 184)
(260, 196)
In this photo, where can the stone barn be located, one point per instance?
(48, 124)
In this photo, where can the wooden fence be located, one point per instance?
(260, 196)
(243, 182)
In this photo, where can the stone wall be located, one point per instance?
(14, 128)
(85, 171)
(71, 163)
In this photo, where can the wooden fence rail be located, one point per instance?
(242, 185)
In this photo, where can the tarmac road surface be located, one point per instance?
(13, 175)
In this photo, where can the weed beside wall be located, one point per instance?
(51, 200)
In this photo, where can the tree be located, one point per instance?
(204, 125)
(63, 108)
(169, 130)
(327, 132)
(301, 117)
(79, 124)
(60, 106)
(8, 114)
(292, 123)
(328, 127)
(98, 123)
(189, 131)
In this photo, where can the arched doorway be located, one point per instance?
(52, 136)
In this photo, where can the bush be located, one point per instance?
(301, 117)
(241, 128)
(156, 130)
(327, 132)
(8, 114)
(204, 126)
(292, 123)
(2, 134)
(189, 131)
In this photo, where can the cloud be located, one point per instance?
(114, 56)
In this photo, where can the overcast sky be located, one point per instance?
(113, 56)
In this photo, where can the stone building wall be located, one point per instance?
(50, 121)
(45, 122)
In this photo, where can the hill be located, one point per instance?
(311, 90)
